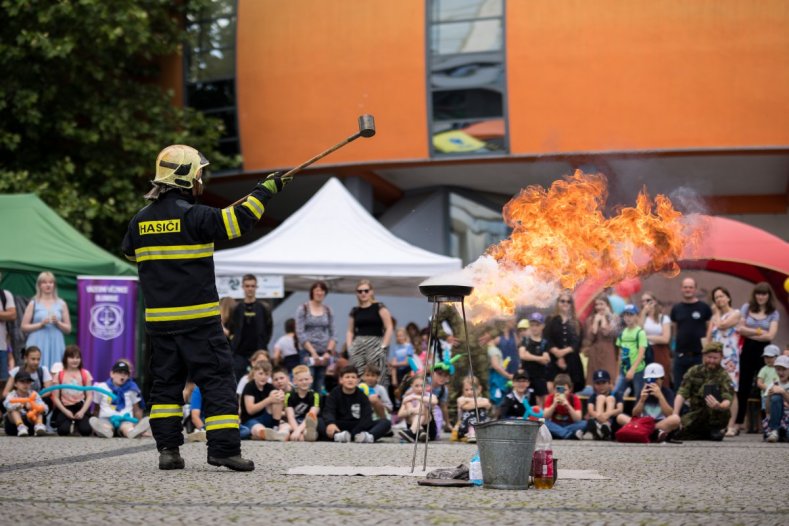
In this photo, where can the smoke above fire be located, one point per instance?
(561, 237)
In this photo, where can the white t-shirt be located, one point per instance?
(286, 346)
(653, 328)
(106, 409)
(9, 302)
(36, 387)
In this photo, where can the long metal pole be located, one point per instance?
(432, 338)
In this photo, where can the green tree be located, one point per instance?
(82, 114)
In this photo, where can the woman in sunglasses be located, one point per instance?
(563, 332)
(369, 332)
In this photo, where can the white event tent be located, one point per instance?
(333, 238)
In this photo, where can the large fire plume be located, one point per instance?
(561, 236)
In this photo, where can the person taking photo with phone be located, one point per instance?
(704, 398)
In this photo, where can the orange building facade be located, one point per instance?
(479, 98)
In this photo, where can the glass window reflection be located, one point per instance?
(446, 10)
(466, 37)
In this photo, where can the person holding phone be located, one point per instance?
(704, 398)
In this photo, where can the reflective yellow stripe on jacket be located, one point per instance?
(212, 423)
(187, 312)
(174, 252)
(255, 206)
(166, 411)
(231, 222)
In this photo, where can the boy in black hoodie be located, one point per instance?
(348, 413)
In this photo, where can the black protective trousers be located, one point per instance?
(203, 355)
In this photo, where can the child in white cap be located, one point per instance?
(767, 375)
(656, 401)
(777, 421)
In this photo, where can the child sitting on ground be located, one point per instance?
(656, 401)
(378, 394)
(256, 358)
(24, 417)
(197, 424)
(414, 399)
(348, 413)
(515, 403)
(438, 386)
(562, 411)
(603, 407)
(467, 415)
(777, 422)
(31, 363)
(398, 357)
(71, 406)
(120, 414)
(262, 405)
(302, 407)
(767, 374)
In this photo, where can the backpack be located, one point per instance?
(62, 373)
(649, 352)
(637, 431)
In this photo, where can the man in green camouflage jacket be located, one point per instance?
(708, 392)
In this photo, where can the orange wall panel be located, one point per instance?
(306, 69)
(642, 75)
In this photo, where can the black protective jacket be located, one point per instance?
(172, 241)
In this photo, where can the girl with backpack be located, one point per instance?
(71, 406)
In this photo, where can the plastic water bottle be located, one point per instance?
(475, 470)
(542, 461)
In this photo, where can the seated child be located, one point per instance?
(438, 381)
(378, 394)
(467, 415)
(398, 357)
(498, 377)
(414, 399)
(302, 406)
(603, 406)
(515, 403)
(71, 406)
(656, 401)
(196, 416)
(348, 413)
(262, 405)
(121, 414)
(562, 410)
(767, 375)
(24, 417)
(256, 358)
(777, 422)
(31, 363)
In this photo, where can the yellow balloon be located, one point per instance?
(786, 285)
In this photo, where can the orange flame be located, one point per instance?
(562, 237)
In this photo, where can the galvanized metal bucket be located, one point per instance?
(506, 448)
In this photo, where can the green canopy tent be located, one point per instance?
(33, 238)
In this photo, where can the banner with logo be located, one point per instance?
(107, 321)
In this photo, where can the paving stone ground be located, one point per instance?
(53, 480)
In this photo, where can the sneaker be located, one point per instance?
(310, 428)
(605, 432)
(594, 429)
(21, 431)
(170, 458)
(662, 436)
(198, 435)
(101, 427)
(364, 438)
(579, 434)
(40, 430)
(141, 427)
(588, 436)
(236, 463)
(407, 435)
(275, 435)
(342, 436)
(772, 436)
(716, 435)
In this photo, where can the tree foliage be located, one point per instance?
(82, 111)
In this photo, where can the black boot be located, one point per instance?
(170, 458)
(716, 435)
(236, 463)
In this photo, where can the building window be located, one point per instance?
(473, 227)
(211, 68)
(466, 77)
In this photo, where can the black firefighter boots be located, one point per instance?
(170, 458)
(236, 463)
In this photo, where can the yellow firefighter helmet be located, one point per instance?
(178, 165)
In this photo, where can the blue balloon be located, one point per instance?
(617, 303)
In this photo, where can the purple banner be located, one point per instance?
(107, 322)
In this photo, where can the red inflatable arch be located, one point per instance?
(729, 247)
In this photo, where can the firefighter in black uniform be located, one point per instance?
(172, 241)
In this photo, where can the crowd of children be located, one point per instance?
(281, 403)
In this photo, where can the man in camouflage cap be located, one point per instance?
(708, 392)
